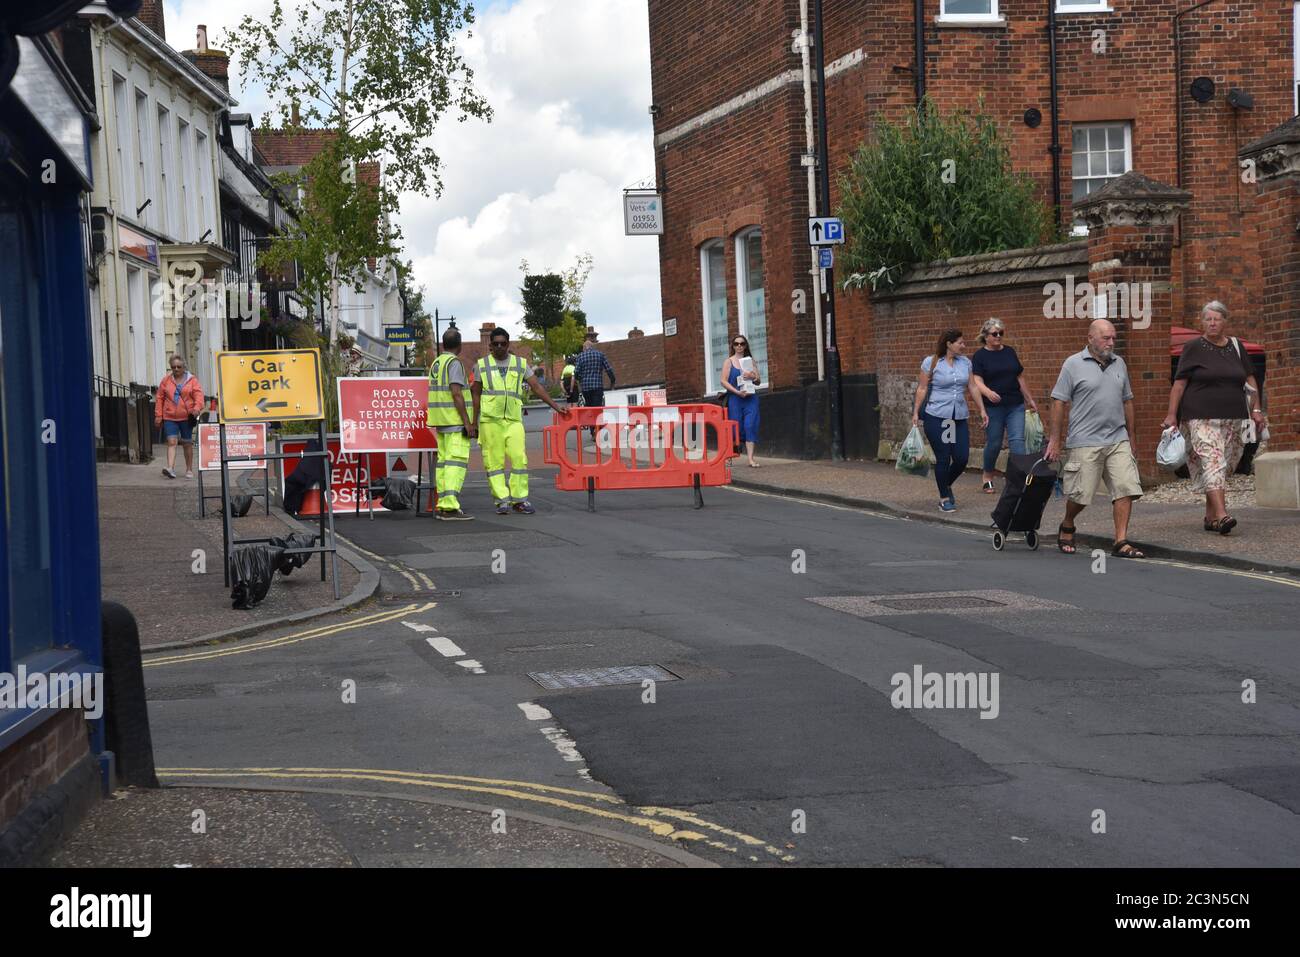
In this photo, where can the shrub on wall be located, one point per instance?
(932, 188)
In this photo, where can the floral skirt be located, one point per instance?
(1214, 448)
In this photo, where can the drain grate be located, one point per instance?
(405, 598)
(939, 604)
(977, 601)
(596, 677)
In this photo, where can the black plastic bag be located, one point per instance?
(239, 505)
(251, 569)
(289, 562)
(309, 472)
(399, 493)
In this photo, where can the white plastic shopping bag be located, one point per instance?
(1172, 451)
(912, 455)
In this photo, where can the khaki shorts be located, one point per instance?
(1084, 469)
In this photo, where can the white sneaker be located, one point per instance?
(169, 473)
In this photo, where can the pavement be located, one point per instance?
(150, 528)
(655, 685)
(1264, 539)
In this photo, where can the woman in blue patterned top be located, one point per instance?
(945, 377)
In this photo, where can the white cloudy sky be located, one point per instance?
(569, 81)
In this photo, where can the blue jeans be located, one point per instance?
(1010, 419)
(950, 457)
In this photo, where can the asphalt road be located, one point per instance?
(1118, 736)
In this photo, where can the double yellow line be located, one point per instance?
(411, 576)
(656, 820)
(284, 640)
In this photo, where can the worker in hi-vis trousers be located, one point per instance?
(449, 417)
(498, 391)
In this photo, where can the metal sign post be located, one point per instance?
(288, 387)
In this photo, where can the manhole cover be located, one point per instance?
(938, 604)
(402, 598)
(595, 677)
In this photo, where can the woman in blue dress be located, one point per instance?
(742, 404)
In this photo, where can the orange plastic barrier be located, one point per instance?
(663, 446)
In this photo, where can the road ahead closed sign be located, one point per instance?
(282, 385)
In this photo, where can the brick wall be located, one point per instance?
(32, 765)
(704, 53)
(1274, 218)
(962, 293)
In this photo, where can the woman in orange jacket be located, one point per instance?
(175, 411)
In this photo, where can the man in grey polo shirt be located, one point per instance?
(1094, 391)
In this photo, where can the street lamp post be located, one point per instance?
(834, 385)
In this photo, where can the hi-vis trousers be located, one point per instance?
(502, 439)
(453, 463)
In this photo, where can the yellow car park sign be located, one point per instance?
(282, 385)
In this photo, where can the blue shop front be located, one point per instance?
(53, 762)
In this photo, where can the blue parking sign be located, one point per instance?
(825, 257)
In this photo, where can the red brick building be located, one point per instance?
(729, 137)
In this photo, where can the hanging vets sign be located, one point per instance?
(643, 214)
(281, 385)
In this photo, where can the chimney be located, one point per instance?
(485, 332)
(635, 333)
(215, 64)
(151, 15)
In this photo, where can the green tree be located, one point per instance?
(542, 297)
(932, 188)
(378, 75)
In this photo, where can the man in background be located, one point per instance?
(591, 369)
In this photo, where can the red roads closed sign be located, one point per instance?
(248, 438)
(385, 415)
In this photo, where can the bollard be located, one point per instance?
(126, 716)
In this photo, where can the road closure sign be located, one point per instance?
(385, 415)
(281, 385)
(249, 439)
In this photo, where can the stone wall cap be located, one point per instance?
(1134, 187)
(1288, 132)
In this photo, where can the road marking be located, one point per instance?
(292, 639)
(445, 647)
(428, 582)
(567, 747)
(474, 667)
(534, 712)
(393, 566)
(660, 828)
(416, 626)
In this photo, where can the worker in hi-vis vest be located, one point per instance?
(498, 391)
(449, 417)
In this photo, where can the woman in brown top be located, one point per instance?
(1213, 396)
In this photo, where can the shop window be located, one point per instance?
(713, 272)
(28, 580)
(753, 305)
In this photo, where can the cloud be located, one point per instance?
(569, 83)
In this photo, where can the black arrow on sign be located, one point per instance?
(263, 405)
(817, 231)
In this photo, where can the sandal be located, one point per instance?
(988, 487)
(1126, 549)
(1223, 525)
(1066, 546)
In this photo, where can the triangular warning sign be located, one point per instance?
(398, 465)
